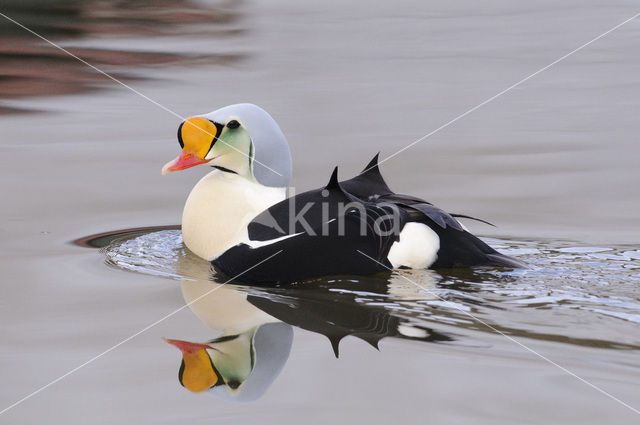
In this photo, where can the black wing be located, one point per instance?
(333, 233)
(326, 232)
(458, 247)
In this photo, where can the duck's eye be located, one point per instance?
(233, 124)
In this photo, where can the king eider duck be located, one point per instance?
(238, 216)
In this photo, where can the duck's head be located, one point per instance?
(241, 138)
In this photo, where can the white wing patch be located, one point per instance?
(417, 248)
(260, 244)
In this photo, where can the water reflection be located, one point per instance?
(340, 307)
(30, 67)
(242, 361)
(252, 326)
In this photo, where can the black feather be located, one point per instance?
(329, 239)
(472, 218)
(333, 180)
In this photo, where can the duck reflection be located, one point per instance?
(256, 325)
(242, 362)
(361, 307)
(237, 367)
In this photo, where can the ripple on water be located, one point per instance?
(159, 253)
(566, 280)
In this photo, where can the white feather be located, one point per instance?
(218, 210)
(259, 244)
(417, 248)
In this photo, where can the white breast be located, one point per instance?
(417, 248)
(218, 210)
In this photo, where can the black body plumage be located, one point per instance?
(346, 229)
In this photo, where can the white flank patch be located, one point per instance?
(417, 248)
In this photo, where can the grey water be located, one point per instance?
(553, 163)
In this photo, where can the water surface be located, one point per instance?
(553, 163)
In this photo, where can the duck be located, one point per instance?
(239, 217)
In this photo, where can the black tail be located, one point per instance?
(462, 249)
